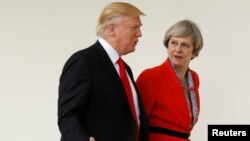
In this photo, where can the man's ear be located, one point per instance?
(111, 29)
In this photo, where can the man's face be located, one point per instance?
(127, 34)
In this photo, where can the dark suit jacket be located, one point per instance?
(92, 100)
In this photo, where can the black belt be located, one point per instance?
(166, 131)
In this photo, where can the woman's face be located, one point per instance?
(180, 51)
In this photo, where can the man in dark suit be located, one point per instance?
(92, 103)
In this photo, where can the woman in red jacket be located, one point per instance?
(170, 91)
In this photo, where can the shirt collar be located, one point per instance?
(112, 53)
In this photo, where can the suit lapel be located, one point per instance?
(108, 66)
(178, 92)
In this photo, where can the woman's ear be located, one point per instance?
(193, 55)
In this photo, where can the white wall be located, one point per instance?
(38, 36)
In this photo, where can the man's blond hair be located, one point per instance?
(113, 13)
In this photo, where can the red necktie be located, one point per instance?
(126, 85)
